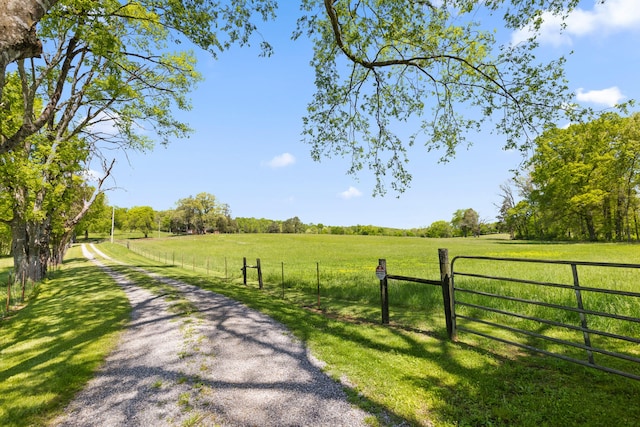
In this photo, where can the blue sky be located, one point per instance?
(246, 148)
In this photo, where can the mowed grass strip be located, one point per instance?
(52, 347)
(400, 374)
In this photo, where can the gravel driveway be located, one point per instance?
(223, 365)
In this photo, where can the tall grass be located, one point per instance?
(13, 295)
(412, 374)
(344, 266)
(336, 274)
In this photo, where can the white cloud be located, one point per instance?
(91, 175)
(350, 193)
(609, 97)
(612, 16)
(281, 161)
(104, 125)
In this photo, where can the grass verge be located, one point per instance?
(403, 375)
(50, 348)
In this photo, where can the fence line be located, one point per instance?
(461, 301)
(15, 293)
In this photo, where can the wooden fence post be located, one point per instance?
(244, 270)
(318, 276)
(8, 293)
(282, 279)
(447, 292)
(381, 271)
(259, 272)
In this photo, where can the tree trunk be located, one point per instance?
(619, 220)
(607, 219)
(30, 247)
(591, 229)
(59, 247)
(18, 19)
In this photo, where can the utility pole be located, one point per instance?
(113, 220)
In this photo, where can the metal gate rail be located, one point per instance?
(578, 308)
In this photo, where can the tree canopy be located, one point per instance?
(108, 77)
(97, 76)
(377, 63)
(583, 183)
(381, 64)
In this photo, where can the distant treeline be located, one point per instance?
(438, 229)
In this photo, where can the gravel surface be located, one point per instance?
(223, 365)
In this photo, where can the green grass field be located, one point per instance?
(344, 269)
(407, 371)
(50, 348)
(476, 381)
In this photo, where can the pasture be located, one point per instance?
(295, 266)
(495, 384)
(407, 373)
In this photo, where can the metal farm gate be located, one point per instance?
(559, 309)
(589, 325)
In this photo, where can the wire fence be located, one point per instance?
(355, 291)
(350, 290)
(14, 294)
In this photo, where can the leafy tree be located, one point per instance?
(141, 218)
(456, 221)
(42, 182)
(165, 220)
(120, 217)
(470, 223)
(439, 229)
(380, 64)
(97, 219)
(106, 79)
(254, 225)
(125, 48)
(202, 213)
(508, 203)
(5, 239)
(337, 230)
(293, 225)
(586, 177)
(191, 215)
(274, 227)
(377, 62)
(466, 221)
(226, 224)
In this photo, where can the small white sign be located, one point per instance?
(381, 273)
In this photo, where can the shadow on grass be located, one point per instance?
(310, 392)
(52, 347)
(424, 379)
(402, 376)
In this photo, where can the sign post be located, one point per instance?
(381, 273)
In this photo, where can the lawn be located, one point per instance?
(407, 371)
(340, 270)
(50, 348)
